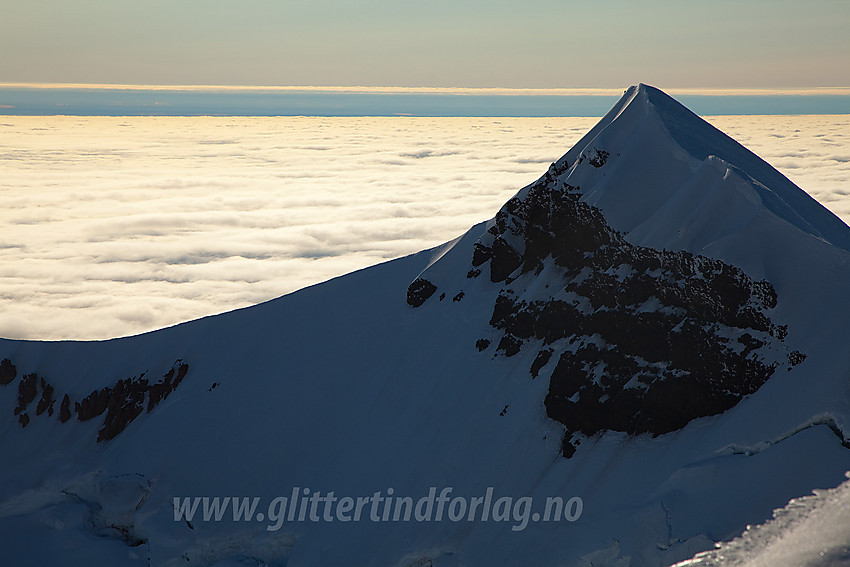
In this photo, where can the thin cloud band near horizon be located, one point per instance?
(490, 91)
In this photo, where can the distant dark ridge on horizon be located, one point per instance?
(117, 100)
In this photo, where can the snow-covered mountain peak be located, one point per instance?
(657, 149)
(648, 249)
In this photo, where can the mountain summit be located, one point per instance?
(701, 174)
(651, 333)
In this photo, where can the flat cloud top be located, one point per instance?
(115, 226)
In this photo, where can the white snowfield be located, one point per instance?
(345, 387)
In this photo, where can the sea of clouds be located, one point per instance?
(115, 226)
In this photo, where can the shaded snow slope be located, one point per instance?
(346, 387)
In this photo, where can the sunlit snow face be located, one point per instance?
(114, 226)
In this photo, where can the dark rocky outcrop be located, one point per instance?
(126, 400)
(92, 405)
(540, 361)
(418, 291)
(65, 409)
(480, 254)
(504, 260)
(160, 390)
(125, 403)
(645, 340)
(122, 402)
(27, 390)
(598, 158)
(8, 372)
(795, 358)
(46, 401)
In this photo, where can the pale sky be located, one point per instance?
(447, 43)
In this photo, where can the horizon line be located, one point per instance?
(493, 91)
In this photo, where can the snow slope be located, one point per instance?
(811, 530)
(346, 387)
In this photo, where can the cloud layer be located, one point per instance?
(115, 226)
